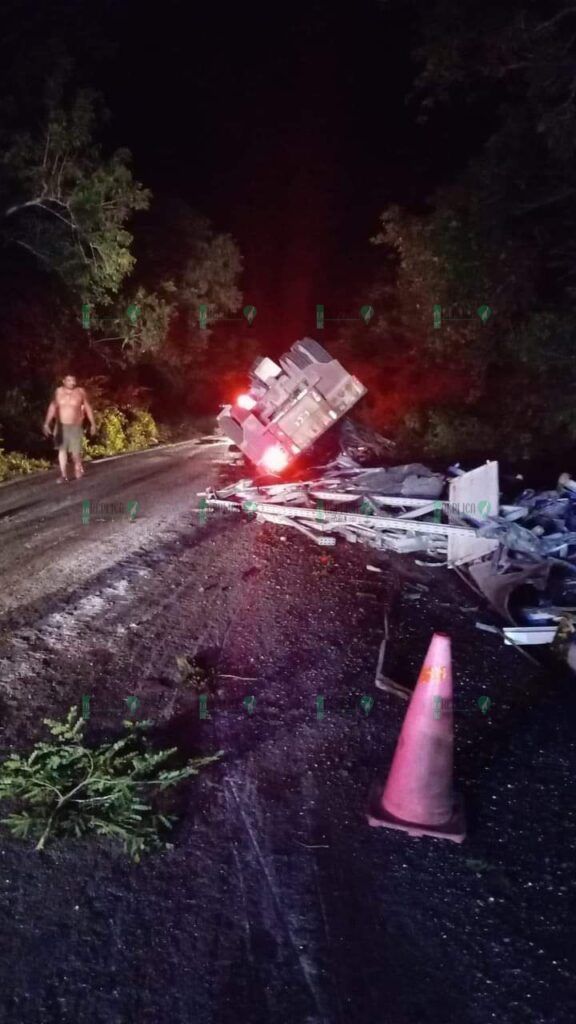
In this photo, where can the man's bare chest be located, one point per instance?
(69, 399)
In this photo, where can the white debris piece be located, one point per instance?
(414, 523)
(475, 495)
(529, 634)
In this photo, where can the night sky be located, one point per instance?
(284, 126)
(288, 127)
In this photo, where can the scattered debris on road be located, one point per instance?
(521, 558)
(387, 509)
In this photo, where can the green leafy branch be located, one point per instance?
(65, 789)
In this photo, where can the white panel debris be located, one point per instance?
(529, 634)
(476, 496)
(357, 497)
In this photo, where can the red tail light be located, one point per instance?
(246, 401)
(275, 459)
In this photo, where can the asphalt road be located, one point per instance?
(277, 902)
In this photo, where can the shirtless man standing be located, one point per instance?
(68, 408)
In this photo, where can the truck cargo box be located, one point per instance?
(289, 404)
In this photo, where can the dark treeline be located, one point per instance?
(103, 271)
(98, 276)
(494, 92)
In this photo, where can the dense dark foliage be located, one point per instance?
(75, 297)
(103, 275)
(499, 232)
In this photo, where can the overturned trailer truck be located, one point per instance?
(289, 406)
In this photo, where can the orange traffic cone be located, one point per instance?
(418, 796)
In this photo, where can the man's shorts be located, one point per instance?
(69, 438)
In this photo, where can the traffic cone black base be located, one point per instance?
(455, 829)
